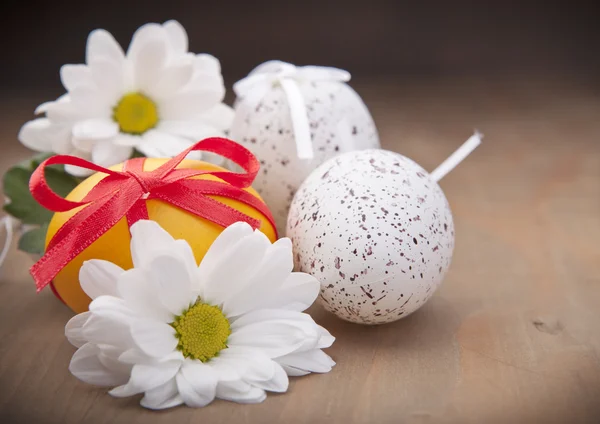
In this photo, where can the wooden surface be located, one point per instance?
(513, 334)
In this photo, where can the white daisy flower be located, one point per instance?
(158, 98)
(231, 328)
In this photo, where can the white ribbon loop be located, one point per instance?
(299, 116)
(275, 73)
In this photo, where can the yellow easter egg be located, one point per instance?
(113, 245)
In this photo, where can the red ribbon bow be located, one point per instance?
(124, 193)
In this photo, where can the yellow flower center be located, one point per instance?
(202, 331)
(135, 113)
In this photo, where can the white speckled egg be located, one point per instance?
(376, 231)
(339, 122)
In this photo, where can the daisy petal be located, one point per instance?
(240, 392)
(95, 129)
(44, 107)
(222, 246)
(147, 237)
(256, 368)
(193, 130)
(177, 36)
(149, 241)
(136, 356)
(197, 384)
(109, 358)
(66, 113)
(278, 383)
(156, 143)
(130, 140)
(154, 338)
(144, 35)
(109, 323)
(77, 171)
(43, 135)
(221, 116)
(109, 77)
(266, 315)
(86, 366)
(207, 64)
(294, 372)
(173, 281)
(136, 288)
(170, 403)
(107, 331)
(63, 144)
(265, 279)
(73, 75)
(182, 260)
(98, 277)
(106, 153)
(275, 337)
(84, 145)
(325, 338)
(148, 64)
(111, 306)
(87, 101)
(73, 329)
(146, 377)
(207, 83)
(186, 255)
(298, 292)
(225, 280)
(101, 43)
(172, 79)
(188, 104)
(162, 397)
(314, 360)
(249, 364)
(224, 369)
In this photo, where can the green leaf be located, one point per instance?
(21, 204)
(61, 182)
(33, 241)
(137, 154)
(34, 161)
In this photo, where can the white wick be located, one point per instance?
(457, 157)
(8, 226)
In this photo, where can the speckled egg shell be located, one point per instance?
(376, 231)
(339, 122)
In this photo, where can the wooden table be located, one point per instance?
(512, 336)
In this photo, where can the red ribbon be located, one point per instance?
(124, 193)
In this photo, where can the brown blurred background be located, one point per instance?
(376, 38)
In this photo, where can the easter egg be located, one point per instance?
(113, 245)
(338, 122)
(376, 230)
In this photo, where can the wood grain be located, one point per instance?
(513, 334)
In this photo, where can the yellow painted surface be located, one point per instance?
(113, 245)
